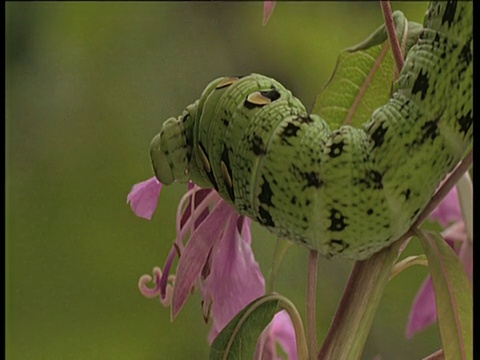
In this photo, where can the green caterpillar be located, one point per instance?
(345, 192)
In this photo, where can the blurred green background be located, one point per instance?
(87, 87)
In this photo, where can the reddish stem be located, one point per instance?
(392, 34)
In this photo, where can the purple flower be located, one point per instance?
(217, 258)
(280, 330)
(424, 309)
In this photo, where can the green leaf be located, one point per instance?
(363, 77)
(453, 295)
(239, 338)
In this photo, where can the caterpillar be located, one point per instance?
(345, 192)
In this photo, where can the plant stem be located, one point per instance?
(351, 325)
(281, 248)
(392, 34)
(311, 304)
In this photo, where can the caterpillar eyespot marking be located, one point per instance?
(347, 192)
(204, 157)
(227, 82)
(261, 98)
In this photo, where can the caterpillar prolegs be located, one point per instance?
(347, 191)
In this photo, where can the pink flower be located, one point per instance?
(235, 279)
(143, 197)
(424, 309)
(268, 7)
(448, 210)
(217, 258)
(280, 330)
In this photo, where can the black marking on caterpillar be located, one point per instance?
(376, 177)
(430, 130)
(421, 84)
(258, 147)
(311, 178)
(227, 174)
(338, 221)
(449, 14)
(415, 213)
(378, 135)
(336, 149)
(264, 217)
(290, 130)
(266, 194)
(465, 122)
(372, 180)
(466, 53)
(272, 94)
(304, 119)
(338, 246)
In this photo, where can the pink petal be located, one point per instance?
(424, 309)
(143, 197)
(235, 278)
(196, 253)
(284, 333)
(455, 233)
(268, 7)
(279, 330)
(448, 210)
(199, 197)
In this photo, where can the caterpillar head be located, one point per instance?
(170, 149)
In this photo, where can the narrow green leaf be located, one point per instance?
(408, 262)
(453, 295)
(239, 338)
(363, 77)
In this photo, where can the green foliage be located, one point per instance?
(362, 79)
